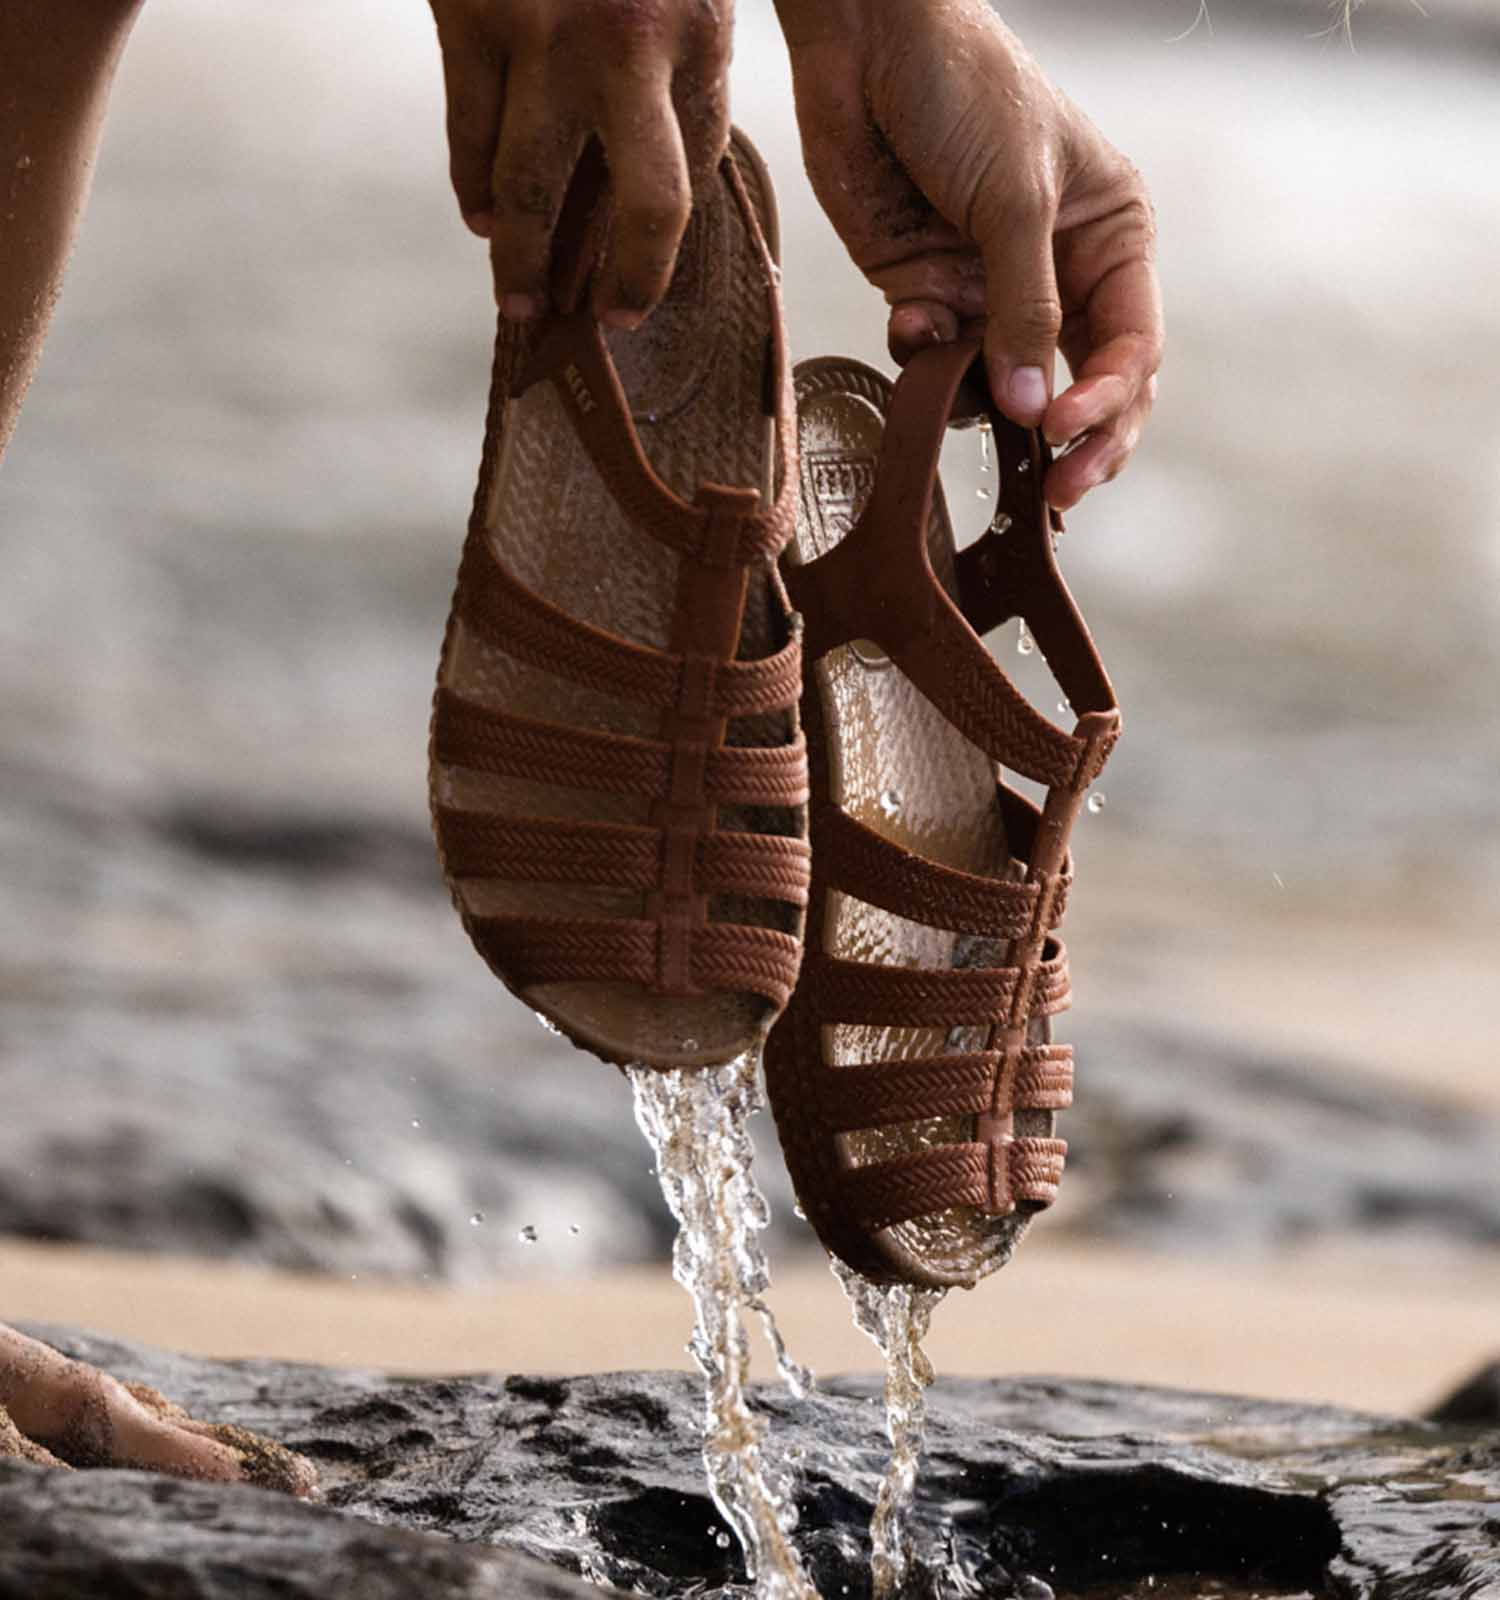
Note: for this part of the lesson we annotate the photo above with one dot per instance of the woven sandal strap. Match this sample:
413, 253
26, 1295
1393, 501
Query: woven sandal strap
612, 855
993, 1178
512, 618
762, 866
469, 735
730, 955
859, 861
1053, 991
534, 950
915, 1185
927, 997
616, 855
883, 1093
1035, 1169
915, 997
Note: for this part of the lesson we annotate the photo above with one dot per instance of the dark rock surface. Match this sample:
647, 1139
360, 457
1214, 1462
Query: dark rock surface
1096, 1488
1476, 1400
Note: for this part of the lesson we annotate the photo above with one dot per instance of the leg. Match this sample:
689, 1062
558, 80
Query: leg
60, 58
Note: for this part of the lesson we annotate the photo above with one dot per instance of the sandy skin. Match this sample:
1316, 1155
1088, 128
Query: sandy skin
56, 1412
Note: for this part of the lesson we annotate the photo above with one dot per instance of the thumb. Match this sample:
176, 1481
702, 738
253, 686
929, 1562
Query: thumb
1024, 311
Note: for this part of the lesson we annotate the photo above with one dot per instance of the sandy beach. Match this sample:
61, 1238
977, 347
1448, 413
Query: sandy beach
1334, 1327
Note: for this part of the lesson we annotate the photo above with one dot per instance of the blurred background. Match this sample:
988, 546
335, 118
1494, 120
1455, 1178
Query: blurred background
259, 1094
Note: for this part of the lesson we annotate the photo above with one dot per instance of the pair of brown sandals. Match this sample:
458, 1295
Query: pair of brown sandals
640, 791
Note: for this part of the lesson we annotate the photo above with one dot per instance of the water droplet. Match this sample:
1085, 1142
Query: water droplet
1023, 466
690, 1044
574, 1229
1030, 1587
528, 1234
723, 1540
982, 492
984, 447
1277, 880
797, 1211
1097, 803
1025, 644
416, 1122
1000, 524
549, 1024
891, 802
476, 1218
1064, 709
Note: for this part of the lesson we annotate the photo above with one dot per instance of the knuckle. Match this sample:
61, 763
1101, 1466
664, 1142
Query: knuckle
523, 196
1038, 316
633, 27
655, 218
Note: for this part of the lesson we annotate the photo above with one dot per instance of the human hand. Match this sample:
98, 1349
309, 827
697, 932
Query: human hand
530, 81
965, 185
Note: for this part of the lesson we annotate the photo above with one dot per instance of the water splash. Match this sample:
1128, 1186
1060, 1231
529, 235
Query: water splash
896, 1318
697, 1123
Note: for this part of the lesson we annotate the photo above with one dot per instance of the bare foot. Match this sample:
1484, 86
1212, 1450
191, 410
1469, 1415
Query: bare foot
58, 1412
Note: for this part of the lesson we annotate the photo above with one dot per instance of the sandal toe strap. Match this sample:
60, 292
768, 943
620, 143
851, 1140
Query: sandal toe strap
882, 1093
992, 1178
538, 950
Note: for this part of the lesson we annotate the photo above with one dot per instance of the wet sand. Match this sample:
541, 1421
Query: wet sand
1335, 1326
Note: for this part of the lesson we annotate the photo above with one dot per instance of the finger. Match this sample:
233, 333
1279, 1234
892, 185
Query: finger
1025, 313
1115, 349
700, 93
915, 324
652, 196
538, 149
474, 82
1097, 458
1092, 403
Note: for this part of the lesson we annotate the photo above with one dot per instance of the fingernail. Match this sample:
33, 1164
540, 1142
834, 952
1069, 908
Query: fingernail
1027, 391
480, 222
627, 321
518, 307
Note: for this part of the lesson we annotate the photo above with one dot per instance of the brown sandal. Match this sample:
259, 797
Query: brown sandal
913, 1076
617, 775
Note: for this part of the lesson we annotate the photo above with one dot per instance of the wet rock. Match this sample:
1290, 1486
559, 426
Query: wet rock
85, 1535
1195, 1142
1091, 1488
1476, 1400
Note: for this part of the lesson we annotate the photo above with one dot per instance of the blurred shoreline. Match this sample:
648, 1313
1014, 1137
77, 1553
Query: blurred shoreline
1326, 1326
